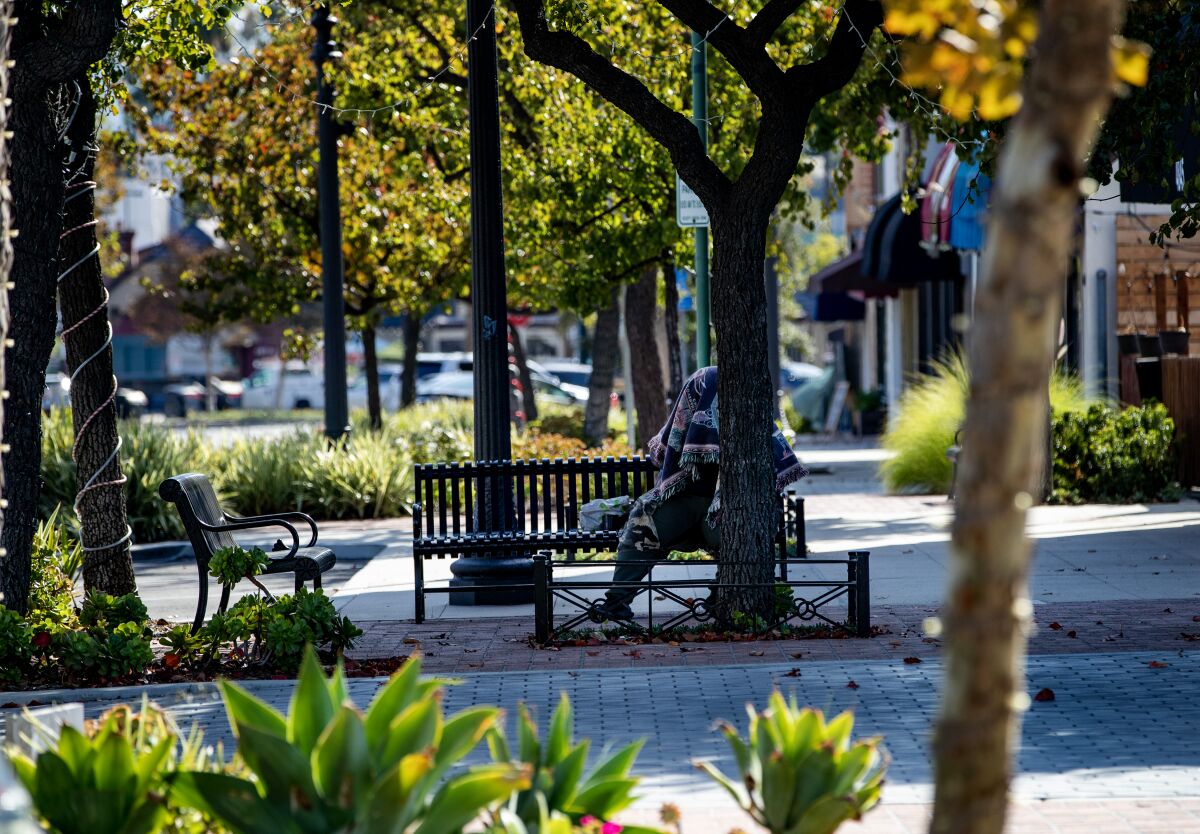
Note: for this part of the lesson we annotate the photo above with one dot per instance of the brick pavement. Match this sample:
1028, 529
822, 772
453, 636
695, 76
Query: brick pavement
502, 644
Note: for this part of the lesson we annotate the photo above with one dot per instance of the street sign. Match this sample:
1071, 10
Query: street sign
689, 211
685, 295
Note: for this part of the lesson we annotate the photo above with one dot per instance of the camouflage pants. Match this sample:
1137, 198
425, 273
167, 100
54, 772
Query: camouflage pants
677, 524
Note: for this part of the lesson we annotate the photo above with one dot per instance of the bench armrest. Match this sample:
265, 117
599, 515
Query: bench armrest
294, 516
253, 524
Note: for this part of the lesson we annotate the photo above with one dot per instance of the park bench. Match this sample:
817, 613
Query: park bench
209, 528
548, 495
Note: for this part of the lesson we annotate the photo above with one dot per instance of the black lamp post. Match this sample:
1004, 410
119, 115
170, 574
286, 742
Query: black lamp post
337, 409
489, 302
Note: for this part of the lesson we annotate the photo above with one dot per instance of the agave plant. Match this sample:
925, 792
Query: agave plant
109, 782
800, 774
559, 787
327, 767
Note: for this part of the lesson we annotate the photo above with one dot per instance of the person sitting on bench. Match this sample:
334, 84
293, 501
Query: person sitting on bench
682, 511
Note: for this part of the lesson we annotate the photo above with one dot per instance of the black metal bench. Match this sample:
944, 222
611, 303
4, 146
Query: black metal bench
209, 528
547, 495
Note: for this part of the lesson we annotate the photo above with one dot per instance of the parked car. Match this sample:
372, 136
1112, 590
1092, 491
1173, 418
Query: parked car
460, 385
298, 387
572, 373
792, 375
131, 403
182, 398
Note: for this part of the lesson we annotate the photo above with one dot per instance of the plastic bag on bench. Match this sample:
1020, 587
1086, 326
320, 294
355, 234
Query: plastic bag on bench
605, 513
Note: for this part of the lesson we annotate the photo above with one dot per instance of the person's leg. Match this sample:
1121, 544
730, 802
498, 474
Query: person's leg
651, 536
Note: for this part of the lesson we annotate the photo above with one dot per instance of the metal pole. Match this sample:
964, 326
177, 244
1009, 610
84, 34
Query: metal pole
700, 117
337, 409
489, 301
771, 278
494, 508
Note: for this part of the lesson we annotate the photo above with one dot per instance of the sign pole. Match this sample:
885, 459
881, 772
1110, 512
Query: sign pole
700, 117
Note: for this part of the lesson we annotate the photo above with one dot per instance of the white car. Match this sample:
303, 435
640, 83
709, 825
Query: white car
301, 388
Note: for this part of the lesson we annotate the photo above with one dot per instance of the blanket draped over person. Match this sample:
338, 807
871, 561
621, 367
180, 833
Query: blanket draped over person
691, 439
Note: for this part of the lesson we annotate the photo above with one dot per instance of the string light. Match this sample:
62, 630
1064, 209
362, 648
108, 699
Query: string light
74, 190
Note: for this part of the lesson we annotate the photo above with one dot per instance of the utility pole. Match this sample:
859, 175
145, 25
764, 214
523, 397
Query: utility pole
494, 506
700, 117
337, 409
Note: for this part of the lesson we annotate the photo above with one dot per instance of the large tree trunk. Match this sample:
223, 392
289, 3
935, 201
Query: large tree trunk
87, 337
987, 609
41, 103
412, 344
37, 190
671, 324
6, 249
649, 394
528, 395
744, 393
371, 369
605, 349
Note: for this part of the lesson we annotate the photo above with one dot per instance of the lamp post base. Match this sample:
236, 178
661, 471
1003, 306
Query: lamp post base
489, 581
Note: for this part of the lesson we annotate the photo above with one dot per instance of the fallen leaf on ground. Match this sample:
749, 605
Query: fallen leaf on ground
852, 685
792, 673
797, 655
1072, 633
1157, 664
593, 654
412, 641
757, 654
1056, 626
1191, 637
1168, 611
1046, 694
1196, 619
912, 660
895, 644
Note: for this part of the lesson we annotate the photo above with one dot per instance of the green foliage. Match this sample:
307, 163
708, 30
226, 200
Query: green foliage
109, 783
327, 767
56, 561
559, 783
274, 632
230, 565
15, 645
102, 611
799, 774
183, 647
94, 763
930, 412
1115, 456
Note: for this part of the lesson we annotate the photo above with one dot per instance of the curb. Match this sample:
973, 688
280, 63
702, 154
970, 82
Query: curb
155, 551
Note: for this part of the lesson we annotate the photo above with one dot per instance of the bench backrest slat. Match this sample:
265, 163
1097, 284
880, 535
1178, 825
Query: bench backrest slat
196, 500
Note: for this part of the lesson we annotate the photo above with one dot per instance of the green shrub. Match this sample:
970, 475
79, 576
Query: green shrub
55, 563
921, 427
230, 565
16, 645
149, 455
273, 632
566, 420
327, 767
104, 611
1108, 455
799, 773
557, 766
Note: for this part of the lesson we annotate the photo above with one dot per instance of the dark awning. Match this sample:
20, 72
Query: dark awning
892, 251
846, 276
831, 306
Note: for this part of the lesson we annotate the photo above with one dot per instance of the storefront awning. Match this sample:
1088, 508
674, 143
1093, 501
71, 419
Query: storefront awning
846, 275
893, 253
831, 306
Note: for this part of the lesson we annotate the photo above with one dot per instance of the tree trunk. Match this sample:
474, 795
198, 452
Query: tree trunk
1030, 235
671, 323
412, 344
528, 395
87, 337
6, 248
37, 192
371, 369
649, 394
744, 393
604, 369
210, 390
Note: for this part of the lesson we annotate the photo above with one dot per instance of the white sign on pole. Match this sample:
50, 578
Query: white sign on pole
689, 211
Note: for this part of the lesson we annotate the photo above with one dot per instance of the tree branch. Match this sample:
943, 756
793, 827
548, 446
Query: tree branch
68, 46
833, 71
761, 74
671, 129
770, 17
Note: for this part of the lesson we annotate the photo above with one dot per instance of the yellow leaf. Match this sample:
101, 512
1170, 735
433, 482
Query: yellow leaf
903, 22
1000, 95
1131, 61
